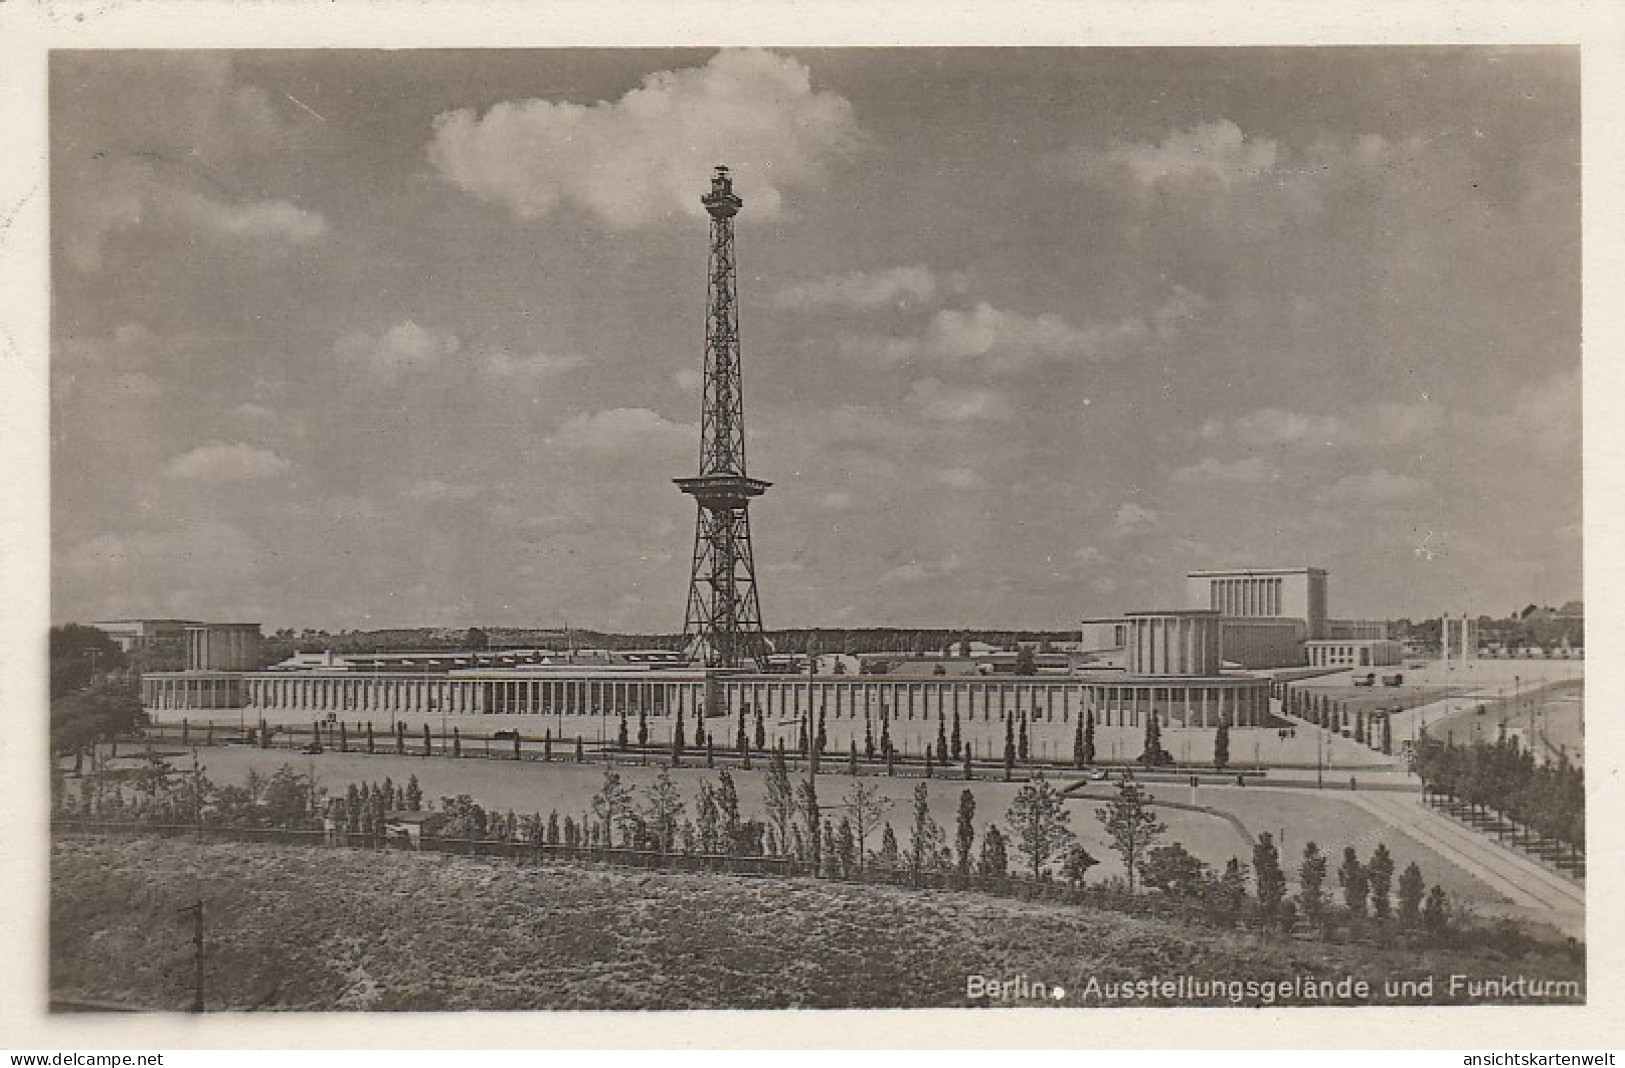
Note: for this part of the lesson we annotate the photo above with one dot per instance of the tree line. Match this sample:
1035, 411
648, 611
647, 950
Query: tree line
1503, 777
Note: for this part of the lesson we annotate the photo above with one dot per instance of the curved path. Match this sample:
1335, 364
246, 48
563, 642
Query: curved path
1517, 878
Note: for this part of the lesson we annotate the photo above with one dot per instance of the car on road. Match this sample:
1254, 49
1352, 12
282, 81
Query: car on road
505, 736
311, 750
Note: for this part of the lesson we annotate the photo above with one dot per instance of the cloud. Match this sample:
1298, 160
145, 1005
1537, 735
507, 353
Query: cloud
1387, 423
621, 430
996, 341
405, 348
945, 403
1132, 518
1377, 487
1215, 151
250, 410
253, 220
647, 155
221, 462
898, 286
916, 571
1250, 469
508, 365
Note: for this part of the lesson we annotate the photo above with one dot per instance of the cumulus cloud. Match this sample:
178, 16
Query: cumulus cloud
939, 401
619, 430
1216, 151
221, 462
992, 340
1378, 487
253, 220
634, 160
1132, 518
1250, 469
405, 348
899, 286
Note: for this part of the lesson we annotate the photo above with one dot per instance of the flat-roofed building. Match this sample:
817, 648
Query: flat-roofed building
1263, 593
136, 634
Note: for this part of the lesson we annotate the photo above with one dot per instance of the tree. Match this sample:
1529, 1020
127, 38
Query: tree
1269, 880
1154, 755
888, 857
1379, 874
612, 804
956, 741
81, 719
1026, 663
1077, 745
995, 860
1089, 737
1312, 883
925, 837
643, 728
456, 742
1133, 827
1040, 823
677, 740
1410, 897
1009, 748
414, 794
846, 850
477, 639
1351, 877
1436, 911
942, 739
965, 839
741, 736
761, 731
729, 828
622, 740
80, 657
428, 740
1023, 751
1221, 744
1075, 867
780, 795
866, 806
807, 802
1173, 870
662, 811
868, 736
707, 817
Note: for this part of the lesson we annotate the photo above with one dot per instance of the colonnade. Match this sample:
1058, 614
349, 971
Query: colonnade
779, 698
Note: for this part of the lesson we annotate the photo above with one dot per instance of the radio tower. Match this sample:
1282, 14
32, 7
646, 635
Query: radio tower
723, 625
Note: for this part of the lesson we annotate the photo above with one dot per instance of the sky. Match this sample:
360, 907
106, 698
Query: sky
372, 339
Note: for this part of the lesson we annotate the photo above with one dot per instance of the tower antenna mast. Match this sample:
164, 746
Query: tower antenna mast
723, 623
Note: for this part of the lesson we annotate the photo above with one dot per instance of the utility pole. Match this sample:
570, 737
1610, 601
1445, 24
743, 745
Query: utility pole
196, 909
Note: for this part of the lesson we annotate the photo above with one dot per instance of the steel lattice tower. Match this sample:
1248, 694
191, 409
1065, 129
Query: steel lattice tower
723, 625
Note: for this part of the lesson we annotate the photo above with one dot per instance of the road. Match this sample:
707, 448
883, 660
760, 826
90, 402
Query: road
1522, 881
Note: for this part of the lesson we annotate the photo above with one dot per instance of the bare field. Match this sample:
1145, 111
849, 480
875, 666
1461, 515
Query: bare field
292, 928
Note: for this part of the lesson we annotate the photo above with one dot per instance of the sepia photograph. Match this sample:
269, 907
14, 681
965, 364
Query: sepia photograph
1155, 583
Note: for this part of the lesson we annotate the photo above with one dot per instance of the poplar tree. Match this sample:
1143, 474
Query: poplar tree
1268, 878
966, 836
1089, 737
1379, 873
1221, 744
1312, 883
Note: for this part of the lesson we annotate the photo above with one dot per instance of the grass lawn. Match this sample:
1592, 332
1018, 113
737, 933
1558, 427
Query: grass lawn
292, 927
